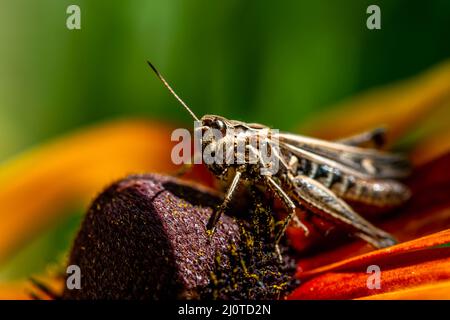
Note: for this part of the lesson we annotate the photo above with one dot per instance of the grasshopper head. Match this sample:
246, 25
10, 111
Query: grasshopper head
215, 122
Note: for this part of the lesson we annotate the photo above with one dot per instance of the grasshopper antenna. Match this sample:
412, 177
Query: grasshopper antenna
172, 91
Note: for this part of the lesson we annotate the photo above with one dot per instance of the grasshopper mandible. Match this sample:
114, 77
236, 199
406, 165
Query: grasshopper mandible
315, 175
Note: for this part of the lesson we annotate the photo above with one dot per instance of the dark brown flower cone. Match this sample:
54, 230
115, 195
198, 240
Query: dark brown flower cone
144, 238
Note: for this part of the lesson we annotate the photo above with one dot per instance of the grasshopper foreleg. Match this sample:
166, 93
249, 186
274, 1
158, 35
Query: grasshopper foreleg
211, 225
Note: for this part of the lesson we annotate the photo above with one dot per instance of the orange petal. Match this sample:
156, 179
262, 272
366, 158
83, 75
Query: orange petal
413, 246
399, 107
431, 147
40, 184
437, 291
407, 265
24, 289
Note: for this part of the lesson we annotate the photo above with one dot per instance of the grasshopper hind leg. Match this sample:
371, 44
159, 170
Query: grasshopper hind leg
322, 201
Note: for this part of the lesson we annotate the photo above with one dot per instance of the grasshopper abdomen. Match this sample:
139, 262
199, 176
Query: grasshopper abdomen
377, 192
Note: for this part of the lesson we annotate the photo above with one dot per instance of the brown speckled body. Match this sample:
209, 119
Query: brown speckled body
316, 175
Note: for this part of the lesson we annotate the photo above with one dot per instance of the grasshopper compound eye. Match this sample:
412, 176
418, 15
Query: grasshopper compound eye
219, 125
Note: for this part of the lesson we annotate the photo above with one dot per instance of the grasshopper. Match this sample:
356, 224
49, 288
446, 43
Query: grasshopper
314, 175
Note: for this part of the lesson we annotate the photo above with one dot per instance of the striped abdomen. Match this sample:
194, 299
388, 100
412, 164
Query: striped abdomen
381, 193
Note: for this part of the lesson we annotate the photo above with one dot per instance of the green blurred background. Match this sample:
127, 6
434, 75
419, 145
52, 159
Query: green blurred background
274, 62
